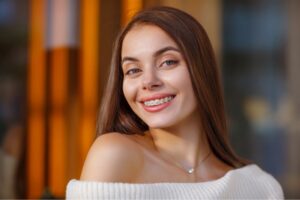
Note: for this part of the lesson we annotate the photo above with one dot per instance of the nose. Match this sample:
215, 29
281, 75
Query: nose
151, 81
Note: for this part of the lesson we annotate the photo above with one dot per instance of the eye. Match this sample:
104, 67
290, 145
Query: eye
133, 71
169, 63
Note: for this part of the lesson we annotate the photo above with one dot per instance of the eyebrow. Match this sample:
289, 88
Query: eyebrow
156, 54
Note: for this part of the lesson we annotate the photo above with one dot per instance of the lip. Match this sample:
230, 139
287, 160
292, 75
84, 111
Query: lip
157, 108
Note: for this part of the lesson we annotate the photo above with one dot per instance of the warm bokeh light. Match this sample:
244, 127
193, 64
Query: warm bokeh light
59, 65
36, 100
89, 73
129, 8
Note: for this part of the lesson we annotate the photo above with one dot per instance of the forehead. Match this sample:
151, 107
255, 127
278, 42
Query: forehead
146, 38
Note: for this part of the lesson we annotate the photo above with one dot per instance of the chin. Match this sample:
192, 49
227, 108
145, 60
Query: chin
159, 124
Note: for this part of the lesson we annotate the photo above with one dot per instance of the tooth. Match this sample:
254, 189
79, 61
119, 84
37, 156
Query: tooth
158, 101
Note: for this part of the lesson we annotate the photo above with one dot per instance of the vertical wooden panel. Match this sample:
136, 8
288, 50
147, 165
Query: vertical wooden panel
110, 23
36, 101
89, 72
73, 118
129, 8
59, 58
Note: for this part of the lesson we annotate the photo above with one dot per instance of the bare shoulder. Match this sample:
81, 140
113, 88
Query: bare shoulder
113, 157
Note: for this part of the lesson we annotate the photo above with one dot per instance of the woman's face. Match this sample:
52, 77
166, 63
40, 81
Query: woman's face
157, 83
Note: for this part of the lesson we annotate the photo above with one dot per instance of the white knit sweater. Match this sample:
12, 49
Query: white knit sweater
248, 182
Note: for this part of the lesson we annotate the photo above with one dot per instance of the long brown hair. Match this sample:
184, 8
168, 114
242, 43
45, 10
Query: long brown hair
115, 113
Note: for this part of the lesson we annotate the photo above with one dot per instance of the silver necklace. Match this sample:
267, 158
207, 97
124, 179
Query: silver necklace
191, 170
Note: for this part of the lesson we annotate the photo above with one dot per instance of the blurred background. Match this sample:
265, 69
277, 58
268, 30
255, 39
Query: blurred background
54, 56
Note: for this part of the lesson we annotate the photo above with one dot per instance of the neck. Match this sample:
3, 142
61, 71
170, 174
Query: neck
184, 144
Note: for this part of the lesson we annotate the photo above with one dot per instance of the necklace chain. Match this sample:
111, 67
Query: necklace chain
191, 170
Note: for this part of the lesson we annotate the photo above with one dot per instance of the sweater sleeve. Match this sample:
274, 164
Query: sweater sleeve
268, 183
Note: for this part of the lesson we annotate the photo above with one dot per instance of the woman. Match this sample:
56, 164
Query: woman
162, 127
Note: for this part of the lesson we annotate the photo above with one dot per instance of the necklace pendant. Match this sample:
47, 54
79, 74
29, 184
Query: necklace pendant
190, 171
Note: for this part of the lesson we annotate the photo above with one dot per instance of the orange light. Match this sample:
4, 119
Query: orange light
35, 156
89, 72
129, 8
36, 101
59, 58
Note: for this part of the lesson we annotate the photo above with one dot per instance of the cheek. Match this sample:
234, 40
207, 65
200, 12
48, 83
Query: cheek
129, 90
188, 86
180, 79
187, 82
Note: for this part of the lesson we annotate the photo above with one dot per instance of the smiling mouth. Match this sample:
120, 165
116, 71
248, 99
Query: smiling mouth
156, 102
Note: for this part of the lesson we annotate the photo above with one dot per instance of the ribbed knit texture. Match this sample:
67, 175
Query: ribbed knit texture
249, 182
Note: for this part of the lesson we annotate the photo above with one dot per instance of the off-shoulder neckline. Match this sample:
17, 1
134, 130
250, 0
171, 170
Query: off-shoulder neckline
229, 173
